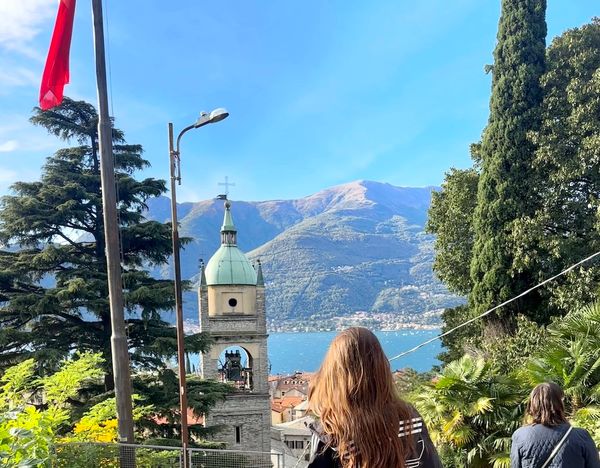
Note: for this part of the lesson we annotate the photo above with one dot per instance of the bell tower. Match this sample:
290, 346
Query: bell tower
232, 312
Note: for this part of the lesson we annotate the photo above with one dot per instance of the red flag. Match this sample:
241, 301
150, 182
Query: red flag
56, 71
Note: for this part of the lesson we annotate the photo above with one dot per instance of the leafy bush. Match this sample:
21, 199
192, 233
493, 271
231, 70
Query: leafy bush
471, 411
82, 455
26, 432
85, 455
571, 358
99, 423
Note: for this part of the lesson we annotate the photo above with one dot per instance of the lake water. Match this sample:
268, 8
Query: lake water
289, 352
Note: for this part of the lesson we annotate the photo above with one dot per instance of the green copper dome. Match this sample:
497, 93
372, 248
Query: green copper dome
229, 265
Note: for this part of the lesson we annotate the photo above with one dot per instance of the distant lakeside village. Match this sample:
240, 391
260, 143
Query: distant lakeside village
375, 321
430, 320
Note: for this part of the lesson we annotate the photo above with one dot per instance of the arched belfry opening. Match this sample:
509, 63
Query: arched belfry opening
232, 313
236, 368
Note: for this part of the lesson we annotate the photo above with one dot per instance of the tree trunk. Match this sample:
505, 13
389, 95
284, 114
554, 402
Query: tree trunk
109, 382
109, 378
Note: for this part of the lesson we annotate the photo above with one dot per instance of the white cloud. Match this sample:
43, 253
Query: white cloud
7, 175
23, 149
16, 130
9, 146
21, 22
17, 76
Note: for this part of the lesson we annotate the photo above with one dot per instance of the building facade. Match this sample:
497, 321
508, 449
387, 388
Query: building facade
293, 438
232, 312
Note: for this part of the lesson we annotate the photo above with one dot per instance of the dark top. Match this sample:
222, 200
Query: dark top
532, 445
424, 453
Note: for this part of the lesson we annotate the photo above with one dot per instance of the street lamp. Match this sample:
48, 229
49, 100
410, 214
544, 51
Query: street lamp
204, 119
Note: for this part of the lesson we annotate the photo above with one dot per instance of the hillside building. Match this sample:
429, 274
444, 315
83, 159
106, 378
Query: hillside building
232, 312
292, 439
284, 409
295, 385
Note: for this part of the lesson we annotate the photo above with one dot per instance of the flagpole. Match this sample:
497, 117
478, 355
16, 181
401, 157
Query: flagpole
120, 353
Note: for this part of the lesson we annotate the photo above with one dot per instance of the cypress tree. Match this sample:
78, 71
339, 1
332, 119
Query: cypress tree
504, 192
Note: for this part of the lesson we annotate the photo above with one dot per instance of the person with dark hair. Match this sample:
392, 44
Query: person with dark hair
362, 422
548, 440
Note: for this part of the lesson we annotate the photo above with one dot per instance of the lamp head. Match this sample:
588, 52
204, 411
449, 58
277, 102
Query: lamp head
215, 116
202, 120
218, 114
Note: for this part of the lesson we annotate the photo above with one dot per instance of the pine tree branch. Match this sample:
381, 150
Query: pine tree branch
73, 244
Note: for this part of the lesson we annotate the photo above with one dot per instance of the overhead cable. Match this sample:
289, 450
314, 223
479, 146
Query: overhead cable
487, 312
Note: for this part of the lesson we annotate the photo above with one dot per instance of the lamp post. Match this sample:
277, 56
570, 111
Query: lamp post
175, 167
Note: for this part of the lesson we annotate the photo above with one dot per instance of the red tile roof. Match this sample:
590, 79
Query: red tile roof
192, 418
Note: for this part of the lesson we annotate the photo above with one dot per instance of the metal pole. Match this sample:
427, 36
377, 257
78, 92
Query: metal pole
183, 406
118, 340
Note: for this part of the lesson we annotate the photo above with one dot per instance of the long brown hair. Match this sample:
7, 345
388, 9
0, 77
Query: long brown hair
354, 396
546, 405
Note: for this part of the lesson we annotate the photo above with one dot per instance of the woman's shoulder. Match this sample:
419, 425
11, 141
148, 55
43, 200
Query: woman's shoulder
523, 431
533, 431
410, 413
582, 434
412, 424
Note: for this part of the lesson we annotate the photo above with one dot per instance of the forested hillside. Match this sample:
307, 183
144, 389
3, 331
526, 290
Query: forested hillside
356, 247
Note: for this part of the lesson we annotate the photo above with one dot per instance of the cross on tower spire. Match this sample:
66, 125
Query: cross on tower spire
227, 184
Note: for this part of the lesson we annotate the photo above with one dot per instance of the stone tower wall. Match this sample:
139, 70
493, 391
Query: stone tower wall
203, 306
261, 309
250, 411
245, 297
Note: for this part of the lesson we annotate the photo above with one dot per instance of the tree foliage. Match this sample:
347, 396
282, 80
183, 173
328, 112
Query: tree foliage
27, 432
477, 401
536, 214
161, 389
564, 228
571, 358
514, 351
471, 411
450, 218
561, 223
53, 276
461, 341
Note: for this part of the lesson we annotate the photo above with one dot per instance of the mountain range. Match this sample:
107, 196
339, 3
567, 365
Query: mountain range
353, 250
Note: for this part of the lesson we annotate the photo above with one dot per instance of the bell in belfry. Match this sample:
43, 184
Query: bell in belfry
233, 366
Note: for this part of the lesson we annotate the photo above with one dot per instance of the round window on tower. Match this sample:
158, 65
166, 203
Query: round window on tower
232, 302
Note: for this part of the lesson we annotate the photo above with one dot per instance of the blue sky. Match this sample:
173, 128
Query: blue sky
320, 92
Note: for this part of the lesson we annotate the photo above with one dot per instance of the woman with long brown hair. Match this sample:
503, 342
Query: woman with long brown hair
362, 422
548, 440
